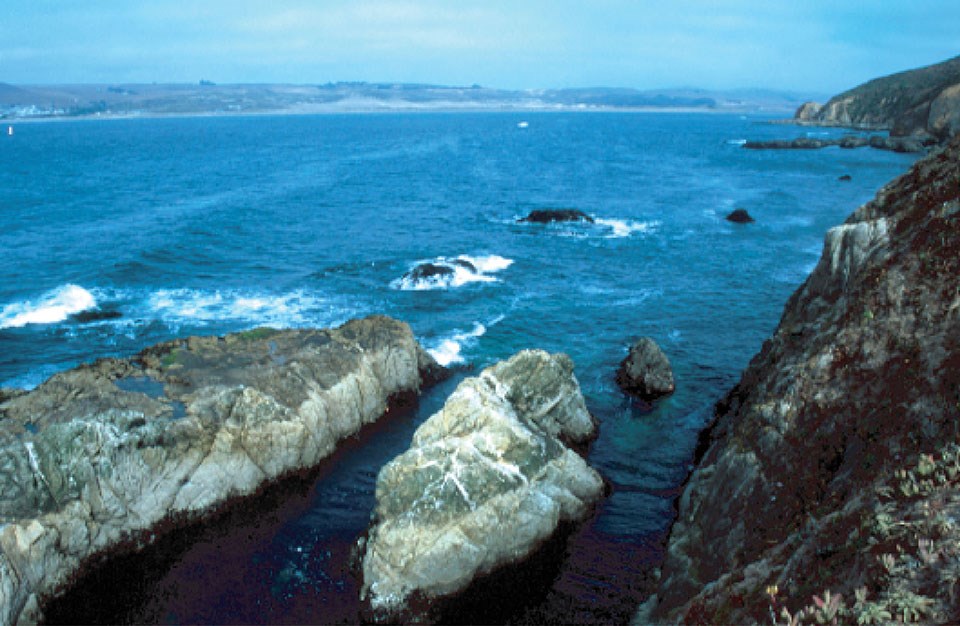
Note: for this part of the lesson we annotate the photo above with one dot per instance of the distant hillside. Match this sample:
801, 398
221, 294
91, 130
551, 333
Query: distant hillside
206, 98
921, 101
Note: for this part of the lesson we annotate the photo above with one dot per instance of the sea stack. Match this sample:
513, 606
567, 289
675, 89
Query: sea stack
646, 372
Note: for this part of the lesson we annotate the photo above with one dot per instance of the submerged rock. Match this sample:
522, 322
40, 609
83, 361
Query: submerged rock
95, 315
485, 482
740, 216
546, 216
100, 454
646, 371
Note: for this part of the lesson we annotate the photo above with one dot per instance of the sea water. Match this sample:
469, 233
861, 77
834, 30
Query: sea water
117, 234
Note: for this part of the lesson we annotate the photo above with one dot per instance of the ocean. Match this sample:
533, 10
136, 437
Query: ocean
117, 234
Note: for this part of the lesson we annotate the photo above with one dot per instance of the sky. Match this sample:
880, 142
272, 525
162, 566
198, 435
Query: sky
805, 46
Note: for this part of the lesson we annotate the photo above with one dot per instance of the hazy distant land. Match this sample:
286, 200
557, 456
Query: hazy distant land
207, 98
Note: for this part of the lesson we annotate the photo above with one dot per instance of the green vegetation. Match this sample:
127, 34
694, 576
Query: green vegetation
257, 334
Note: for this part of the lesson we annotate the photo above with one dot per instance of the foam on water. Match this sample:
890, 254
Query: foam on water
455, 272
447, 351
625, 228
54, 306
189, 306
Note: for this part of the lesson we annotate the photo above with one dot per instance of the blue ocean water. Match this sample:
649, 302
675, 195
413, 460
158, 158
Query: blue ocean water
209, 225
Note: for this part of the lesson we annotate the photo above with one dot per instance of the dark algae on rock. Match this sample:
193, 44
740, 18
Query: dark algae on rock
828, 486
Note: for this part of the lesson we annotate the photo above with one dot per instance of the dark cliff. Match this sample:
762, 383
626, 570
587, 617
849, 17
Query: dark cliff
920, 101
833, 467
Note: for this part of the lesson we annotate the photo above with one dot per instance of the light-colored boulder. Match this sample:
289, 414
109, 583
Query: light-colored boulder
485, 482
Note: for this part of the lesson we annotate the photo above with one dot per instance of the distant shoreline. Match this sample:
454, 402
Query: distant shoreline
412, 110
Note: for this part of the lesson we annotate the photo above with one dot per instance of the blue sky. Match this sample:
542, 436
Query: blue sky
802, 45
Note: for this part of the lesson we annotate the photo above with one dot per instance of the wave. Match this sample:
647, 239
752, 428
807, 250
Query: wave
445, 273
53, 306
447, 351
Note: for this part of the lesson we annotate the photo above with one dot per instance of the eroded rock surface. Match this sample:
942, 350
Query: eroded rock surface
102, 453
485, 482
833, 466
646, 371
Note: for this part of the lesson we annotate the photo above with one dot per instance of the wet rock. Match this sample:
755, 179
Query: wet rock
428, 271
95, 315
646, 371
485, 482
739, 216
546, 216
99, 454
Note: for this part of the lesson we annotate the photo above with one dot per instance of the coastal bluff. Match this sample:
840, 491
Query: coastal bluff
923, 102
100, 457
828, 485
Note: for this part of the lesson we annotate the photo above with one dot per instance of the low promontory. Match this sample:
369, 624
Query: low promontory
102, 455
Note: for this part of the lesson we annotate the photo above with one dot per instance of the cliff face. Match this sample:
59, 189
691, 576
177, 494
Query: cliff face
833, 466
99, 455
924, 101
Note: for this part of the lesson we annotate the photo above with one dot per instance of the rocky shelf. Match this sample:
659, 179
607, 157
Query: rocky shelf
98, 457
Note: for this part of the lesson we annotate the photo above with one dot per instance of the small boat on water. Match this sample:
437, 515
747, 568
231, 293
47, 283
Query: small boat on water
523, 125
9, 131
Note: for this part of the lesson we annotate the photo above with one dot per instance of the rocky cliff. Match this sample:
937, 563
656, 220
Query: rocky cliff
828, 486
486, 481
924, 101
100, 456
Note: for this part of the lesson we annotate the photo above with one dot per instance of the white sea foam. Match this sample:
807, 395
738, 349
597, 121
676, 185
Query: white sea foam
736, 142
52, 307
625, 228
189, 306
452, 273
447, 350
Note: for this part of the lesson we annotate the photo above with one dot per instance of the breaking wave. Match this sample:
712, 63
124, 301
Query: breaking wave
54, 306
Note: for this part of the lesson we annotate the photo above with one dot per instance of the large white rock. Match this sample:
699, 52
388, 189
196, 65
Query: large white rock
485, 482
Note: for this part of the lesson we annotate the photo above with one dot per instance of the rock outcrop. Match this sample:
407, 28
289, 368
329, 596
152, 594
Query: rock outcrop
101, 455
880, 142
646, 371
832, 468
485, 482
546, 216
740, 216
923, 101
